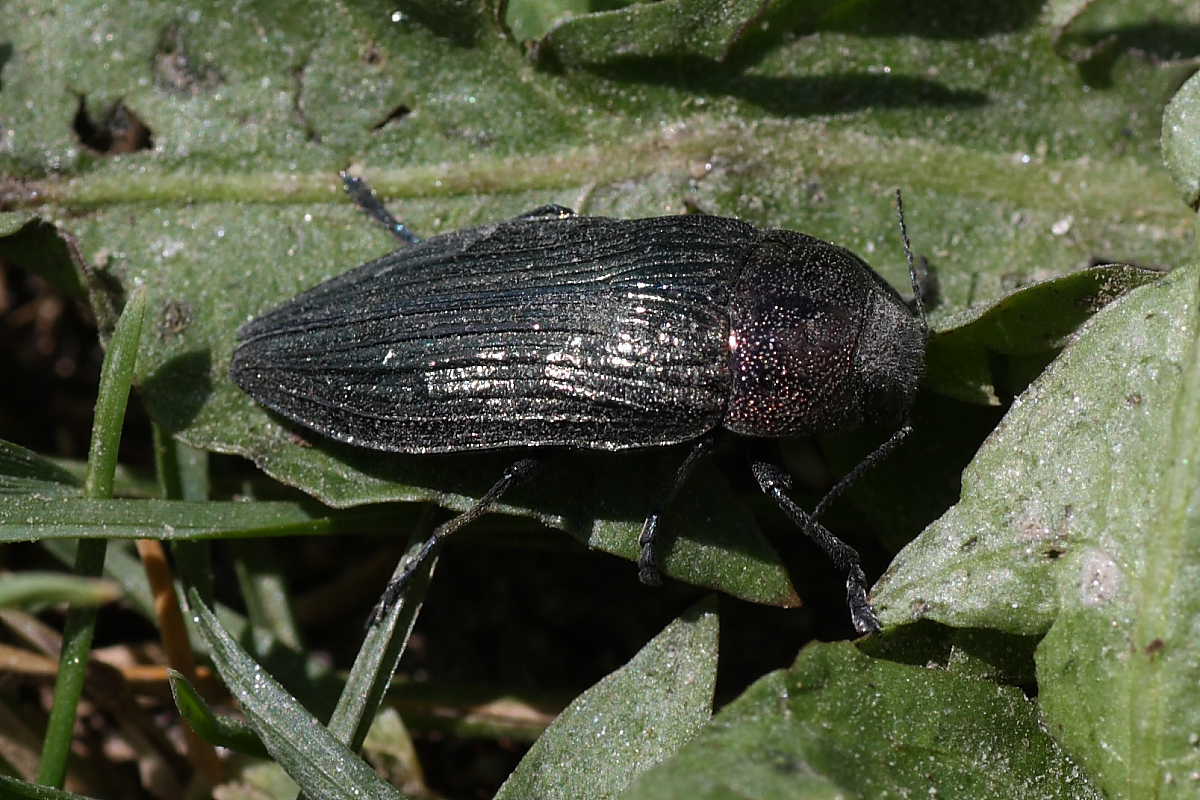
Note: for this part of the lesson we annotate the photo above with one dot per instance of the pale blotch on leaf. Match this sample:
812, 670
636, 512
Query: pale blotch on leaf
1099, 578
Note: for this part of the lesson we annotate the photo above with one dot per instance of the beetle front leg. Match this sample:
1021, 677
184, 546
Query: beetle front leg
647, 561
775, 483
516, 473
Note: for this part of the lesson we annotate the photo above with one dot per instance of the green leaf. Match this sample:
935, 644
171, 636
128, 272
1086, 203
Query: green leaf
838, 723
108, 422
1032, 321
1181, 139
116, 379
33, 517
379, 654
1079, 519
311, 755
631, 720
978, 653
23, 471
391, 750
1025, 135
1072, 467
215, 729
1017, 166
121, 564
530, 19
20, 790
642, 32
31, 588
42, 248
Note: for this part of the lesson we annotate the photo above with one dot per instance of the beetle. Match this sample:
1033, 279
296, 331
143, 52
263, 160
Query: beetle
554, 329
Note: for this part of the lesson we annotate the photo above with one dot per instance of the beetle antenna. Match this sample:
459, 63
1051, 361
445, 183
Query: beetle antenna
881, 452
918, 300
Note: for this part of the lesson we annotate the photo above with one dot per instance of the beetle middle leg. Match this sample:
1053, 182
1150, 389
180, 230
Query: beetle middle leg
647, 561
364, 196
775, 483
514, 474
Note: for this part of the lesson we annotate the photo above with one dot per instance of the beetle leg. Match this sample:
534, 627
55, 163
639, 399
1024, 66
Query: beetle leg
364, 196
647, 563
775, 483
516, 473
548, 211
873, 458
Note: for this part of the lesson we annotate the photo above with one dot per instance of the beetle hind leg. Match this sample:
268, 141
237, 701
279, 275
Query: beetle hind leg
516, 473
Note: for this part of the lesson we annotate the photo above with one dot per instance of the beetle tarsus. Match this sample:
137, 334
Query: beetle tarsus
862, 616
647, 563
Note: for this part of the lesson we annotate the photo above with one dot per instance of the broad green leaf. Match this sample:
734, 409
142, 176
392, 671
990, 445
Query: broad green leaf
979, 653
1019, 165
13, 221
673, 29
321, 765
631, 720
1031, 322
840, 724
1071, 470
1079, 519
40, 247
1181, 139
530, 19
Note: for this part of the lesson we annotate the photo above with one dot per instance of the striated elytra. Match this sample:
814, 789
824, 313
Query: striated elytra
559, 330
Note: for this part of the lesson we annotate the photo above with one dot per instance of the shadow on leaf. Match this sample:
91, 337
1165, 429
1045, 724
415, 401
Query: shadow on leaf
792, 95
187, 380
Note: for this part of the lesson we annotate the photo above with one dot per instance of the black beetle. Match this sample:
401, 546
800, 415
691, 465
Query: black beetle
558, 330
